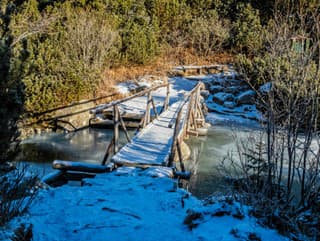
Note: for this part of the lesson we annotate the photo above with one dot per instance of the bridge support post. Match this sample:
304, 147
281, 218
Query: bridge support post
166, 102
116, 128
147, 114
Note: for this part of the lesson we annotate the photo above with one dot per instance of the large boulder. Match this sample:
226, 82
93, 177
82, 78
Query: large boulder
230, 104
247, 97
222, 97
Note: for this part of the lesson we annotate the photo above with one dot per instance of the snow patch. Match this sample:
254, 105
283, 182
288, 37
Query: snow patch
134, 207
265, 88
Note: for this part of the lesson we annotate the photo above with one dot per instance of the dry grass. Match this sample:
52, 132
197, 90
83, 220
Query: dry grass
161, 66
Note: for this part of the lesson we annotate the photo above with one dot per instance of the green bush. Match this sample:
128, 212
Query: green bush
208, 34
172, 17
139, 42
61, 62
247, 31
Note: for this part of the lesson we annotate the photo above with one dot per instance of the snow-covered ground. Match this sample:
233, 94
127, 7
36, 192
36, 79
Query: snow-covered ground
136, 204
230, 100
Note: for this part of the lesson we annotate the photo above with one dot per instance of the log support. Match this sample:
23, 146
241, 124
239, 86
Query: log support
116, 123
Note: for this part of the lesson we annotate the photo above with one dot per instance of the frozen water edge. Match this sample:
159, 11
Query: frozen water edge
131, 204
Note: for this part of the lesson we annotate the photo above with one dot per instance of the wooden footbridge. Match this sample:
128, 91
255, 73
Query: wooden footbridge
161, 131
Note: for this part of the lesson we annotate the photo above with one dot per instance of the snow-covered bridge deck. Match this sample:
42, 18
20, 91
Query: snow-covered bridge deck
159, 141
155, 143
152, 146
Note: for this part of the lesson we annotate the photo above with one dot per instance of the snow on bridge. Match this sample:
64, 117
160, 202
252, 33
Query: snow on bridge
155, 145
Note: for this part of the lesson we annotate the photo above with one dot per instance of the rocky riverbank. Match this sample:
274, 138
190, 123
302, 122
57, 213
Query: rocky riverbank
229, 99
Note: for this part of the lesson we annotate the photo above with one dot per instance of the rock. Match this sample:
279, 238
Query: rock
233, 90
247, 97
217, 81
202, 131
230, 104
254, 237
192, 219
222, 97
205, 93
215, 89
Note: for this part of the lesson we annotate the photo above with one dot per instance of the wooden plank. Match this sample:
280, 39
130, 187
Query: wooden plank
192, 133
194, 67
151, 146
167, 99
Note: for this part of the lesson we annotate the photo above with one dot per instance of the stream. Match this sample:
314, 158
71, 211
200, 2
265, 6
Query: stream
89, 145
232, 114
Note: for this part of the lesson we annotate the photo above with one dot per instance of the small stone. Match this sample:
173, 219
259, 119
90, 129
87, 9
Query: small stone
253, 237
205, 93
192, 218
222, 97
215, 89
220, 213
238, 213
232, 90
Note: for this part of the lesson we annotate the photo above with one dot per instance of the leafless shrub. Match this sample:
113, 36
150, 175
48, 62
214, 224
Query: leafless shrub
17, 191
208, 34
279, 171
89, 39
23, 233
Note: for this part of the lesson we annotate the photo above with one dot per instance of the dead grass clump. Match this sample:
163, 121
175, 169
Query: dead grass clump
161, 66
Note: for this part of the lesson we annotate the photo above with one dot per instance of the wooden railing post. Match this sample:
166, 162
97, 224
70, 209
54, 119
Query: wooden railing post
123, 125
107, 154
175, 136
154, 108
116, 128
189, 112
147, 114
180, 156
166, 101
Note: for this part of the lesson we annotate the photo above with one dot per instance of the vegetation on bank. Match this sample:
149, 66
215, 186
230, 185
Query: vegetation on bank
280, 170
54, 52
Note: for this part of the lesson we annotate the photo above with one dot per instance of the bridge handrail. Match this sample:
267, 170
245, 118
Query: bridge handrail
101, 108
72, 105
179, 126
117, 119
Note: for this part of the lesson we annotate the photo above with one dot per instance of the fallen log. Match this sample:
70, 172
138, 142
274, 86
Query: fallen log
79, 167
182, 175
53, 177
